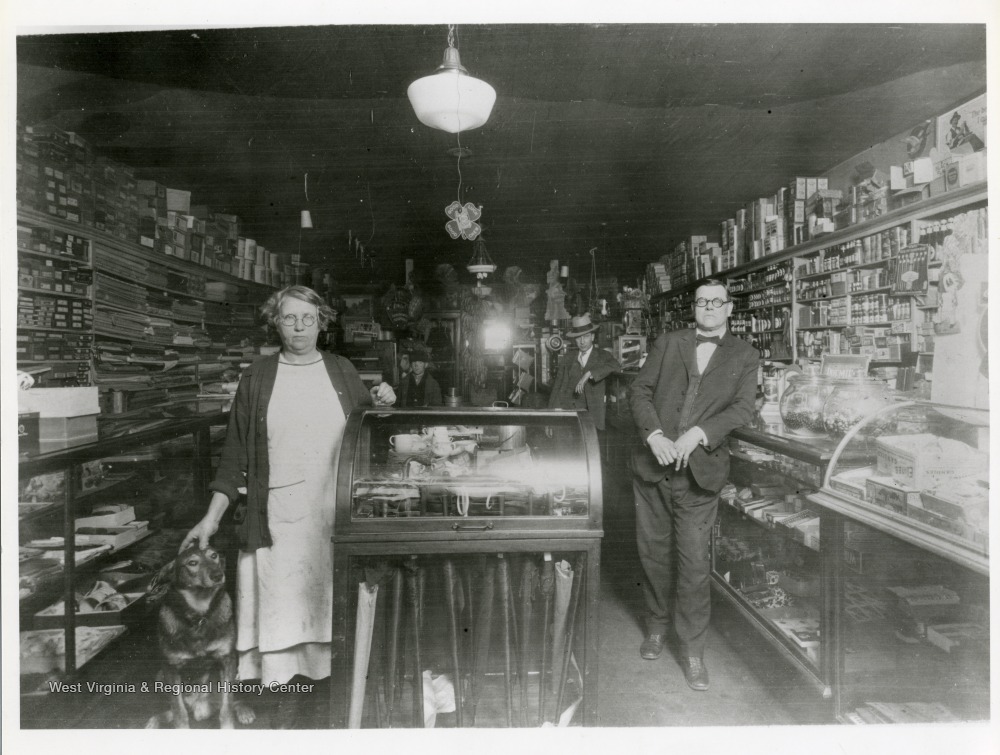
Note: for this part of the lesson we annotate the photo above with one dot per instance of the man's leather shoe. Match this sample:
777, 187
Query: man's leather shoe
696, 674
651, 647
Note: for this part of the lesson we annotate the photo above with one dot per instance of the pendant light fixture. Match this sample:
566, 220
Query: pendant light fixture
480, 265
305, 216
450, 99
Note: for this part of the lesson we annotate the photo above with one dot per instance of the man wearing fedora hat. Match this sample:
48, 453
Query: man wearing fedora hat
580, 381
419, 388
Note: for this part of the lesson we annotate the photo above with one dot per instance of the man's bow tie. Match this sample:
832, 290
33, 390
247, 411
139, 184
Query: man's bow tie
717, 340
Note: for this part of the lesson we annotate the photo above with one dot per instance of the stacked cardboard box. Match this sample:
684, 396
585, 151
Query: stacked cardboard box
58, 174
116, 200
800, 189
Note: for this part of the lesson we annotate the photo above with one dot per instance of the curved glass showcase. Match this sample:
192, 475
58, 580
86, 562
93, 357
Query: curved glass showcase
908, 492
441, 515
920, 471
461, 470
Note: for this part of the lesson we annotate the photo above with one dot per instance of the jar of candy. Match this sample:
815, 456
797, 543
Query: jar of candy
853, 399
802, 403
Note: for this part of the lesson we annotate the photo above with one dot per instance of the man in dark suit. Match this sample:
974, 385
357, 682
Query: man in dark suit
695, 387
419, 388
580, 381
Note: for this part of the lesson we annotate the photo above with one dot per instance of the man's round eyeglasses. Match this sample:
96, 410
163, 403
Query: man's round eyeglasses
290, 320
702, 302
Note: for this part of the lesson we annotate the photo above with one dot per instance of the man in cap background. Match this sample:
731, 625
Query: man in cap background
419, 388
580, 380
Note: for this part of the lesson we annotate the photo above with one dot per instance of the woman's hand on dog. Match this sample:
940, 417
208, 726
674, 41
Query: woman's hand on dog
202, 532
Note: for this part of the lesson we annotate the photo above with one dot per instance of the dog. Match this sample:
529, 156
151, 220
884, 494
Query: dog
197, 636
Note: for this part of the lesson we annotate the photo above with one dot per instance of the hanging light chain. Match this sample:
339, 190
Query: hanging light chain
451, 35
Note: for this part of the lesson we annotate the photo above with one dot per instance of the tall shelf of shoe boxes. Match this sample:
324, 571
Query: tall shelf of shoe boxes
814, 271
124, 285
125, 288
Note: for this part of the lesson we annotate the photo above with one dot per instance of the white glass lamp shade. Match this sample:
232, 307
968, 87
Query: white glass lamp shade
450, 99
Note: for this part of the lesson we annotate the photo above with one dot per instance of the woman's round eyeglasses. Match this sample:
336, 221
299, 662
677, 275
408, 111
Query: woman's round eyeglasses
290, 320
702, 302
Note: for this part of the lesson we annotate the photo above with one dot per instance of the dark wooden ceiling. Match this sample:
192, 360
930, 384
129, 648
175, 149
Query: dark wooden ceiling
625, 136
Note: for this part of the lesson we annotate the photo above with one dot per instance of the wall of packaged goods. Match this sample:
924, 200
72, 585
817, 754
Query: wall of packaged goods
865, 268
124, 285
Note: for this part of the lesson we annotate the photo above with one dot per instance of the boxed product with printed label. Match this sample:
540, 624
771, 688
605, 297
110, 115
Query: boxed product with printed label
889, 494
924, 460
59, 402
59, 429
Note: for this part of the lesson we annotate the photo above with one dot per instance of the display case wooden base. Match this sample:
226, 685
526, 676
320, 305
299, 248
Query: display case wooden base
466, 560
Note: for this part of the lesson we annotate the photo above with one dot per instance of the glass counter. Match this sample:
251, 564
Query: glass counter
906, 497
920, 471
468, 471
454, 529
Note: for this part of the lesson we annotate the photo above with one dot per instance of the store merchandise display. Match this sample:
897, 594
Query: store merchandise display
488, 519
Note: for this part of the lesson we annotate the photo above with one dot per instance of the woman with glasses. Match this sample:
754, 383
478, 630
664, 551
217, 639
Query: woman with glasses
285, 431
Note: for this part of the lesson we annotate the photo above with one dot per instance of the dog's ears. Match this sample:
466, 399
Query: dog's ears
161, 583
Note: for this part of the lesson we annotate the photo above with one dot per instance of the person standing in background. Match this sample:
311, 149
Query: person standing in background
419, 388
580, 380
696, 386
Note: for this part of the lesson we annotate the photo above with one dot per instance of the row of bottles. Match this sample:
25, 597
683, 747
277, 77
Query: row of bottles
780, 273
934, 235
781, 294
867, 280
821, 288
770, 345
867, 249
869, 308
759, 321
824, 314
901, 309
813, 344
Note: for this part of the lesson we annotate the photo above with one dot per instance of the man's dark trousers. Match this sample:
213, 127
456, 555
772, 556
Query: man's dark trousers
674, 519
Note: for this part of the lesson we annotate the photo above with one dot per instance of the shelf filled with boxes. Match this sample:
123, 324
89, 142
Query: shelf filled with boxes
673, 310
123, 283
146, 328
871, 276
96, 521
848, 284
54, 305
768, 553
907, 495
762, 309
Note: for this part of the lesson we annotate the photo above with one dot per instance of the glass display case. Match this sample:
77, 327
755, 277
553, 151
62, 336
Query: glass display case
468, 473
907, 495
768, 560
456, 532
920, 470
96, 519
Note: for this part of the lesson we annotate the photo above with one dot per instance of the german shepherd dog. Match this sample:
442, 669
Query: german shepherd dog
197, 635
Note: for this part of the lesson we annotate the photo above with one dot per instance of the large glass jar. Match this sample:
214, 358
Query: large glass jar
853, 399
802, 403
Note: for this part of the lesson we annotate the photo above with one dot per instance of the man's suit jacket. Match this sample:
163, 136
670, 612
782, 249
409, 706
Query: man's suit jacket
600, 364
725, 401
432, 391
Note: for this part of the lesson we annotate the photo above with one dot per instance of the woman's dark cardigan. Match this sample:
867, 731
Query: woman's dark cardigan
244, 456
